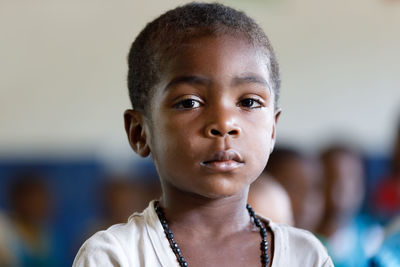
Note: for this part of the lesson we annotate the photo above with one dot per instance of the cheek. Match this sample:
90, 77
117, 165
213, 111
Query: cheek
172, 144
257, 156
259, 134
259, 143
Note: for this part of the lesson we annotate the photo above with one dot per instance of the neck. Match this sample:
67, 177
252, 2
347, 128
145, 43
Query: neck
199, 214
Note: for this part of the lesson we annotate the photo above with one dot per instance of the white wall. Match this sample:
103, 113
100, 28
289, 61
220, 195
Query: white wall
63, 68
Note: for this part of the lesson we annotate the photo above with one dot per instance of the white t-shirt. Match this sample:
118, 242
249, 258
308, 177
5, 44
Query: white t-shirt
142, 242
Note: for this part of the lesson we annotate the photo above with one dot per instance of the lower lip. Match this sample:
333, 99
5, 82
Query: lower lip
222, 166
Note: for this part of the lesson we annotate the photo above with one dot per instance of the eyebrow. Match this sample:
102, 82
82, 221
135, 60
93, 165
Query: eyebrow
189, 79
251, 79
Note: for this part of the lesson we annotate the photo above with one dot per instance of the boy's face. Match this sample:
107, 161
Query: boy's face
212, 122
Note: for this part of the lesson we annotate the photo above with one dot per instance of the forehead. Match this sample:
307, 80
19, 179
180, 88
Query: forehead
217, 57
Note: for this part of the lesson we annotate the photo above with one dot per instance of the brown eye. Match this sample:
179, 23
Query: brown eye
187, 104
247, 103
250, 103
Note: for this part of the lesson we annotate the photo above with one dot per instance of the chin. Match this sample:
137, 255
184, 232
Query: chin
224, 190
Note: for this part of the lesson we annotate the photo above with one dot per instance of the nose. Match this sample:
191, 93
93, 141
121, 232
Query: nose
224, 124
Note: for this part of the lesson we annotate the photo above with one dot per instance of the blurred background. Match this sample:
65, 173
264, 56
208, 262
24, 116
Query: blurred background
66, 169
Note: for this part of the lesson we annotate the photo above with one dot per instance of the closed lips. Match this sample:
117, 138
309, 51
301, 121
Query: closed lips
223, 156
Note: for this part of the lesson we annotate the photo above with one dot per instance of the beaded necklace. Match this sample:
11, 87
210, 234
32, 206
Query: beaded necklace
178, 253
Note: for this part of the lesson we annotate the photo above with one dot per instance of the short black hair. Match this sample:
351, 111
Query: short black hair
162, 37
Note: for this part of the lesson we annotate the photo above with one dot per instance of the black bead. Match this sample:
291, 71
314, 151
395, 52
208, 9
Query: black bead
264, 235
178, 253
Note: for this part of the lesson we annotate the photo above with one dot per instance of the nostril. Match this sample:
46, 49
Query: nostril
233, 132
215, 132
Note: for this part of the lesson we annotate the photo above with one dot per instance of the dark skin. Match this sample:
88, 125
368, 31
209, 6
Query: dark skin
210, 130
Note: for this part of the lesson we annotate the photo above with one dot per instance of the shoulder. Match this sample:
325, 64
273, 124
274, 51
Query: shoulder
299, 247
295, 236
102, 249
114, 246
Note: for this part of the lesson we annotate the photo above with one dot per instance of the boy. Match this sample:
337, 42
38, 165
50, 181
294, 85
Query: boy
203, 82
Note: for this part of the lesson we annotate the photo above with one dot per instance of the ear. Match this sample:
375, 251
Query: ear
135, 130
277, 114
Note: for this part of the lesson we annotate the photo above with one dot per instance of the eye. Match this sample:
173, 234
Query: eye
188, 103
250, 103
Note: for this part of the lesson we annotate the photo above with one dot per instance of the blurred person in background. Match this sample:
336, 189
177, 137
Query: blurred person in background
269, 199
121, 196
300, 176
351, 238
386, 199
124, 195
6, 257
30, 239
